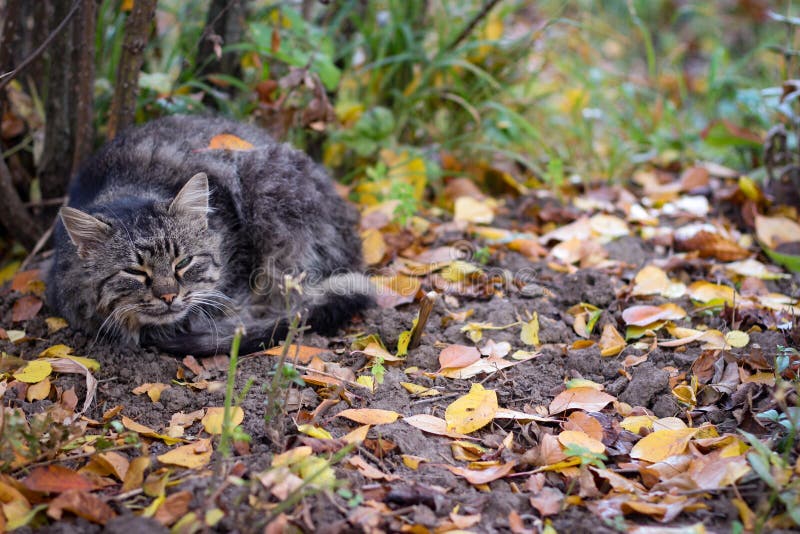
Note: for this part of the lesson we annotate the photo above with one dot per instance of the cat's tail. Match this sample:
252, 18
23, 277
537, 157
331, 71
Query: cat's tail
326, 307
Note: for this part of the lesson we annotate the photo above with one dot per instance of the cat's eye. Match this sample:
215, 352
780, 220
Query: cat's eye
136, 272
183, 263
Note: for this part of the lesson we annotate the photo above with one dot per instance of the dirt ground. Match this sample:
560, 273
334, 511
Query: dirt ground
426, 495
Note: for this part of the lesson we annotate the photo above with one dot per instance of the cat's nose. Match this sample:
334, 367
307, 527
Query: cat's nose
168, 297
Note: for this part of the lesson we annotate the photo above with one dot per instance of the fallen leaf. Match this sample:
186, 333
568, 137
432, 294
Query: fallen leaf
644, 315
580, 439
34, 371
56, 479
191, 456
26, 308
468, 209
369, 416
483, 476
83, 504
472, 411
662, 444
530, 331
458, 356
611, 341
433, 425
581, 398
213, 419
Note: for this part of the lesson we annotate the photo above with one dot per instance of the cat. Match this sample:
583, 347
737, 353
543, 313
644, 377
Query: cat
169, 242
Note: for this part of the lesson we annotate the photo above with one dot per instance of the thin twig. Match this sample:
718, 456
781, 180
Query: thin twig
43, 239
471, 25
6, 78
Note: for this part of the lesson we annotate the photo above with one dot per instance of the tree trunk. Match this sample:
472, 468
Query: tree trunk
84, 83
224, 25
59, 138
137, 30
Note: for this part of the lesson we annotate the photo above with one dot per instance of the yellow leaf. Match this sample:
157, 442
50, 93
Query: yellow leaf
56, 351
357, 436
530, 331
153, 390
368, 381
314, 431
611, 342
468, 209
212, 420
412, 462
474, 410
662, 444
369, 416
228, 142
709, 293
373, 245
54, 324
35, 371
38, 391
635, 423
191, 456
459, 270
422, 391
89, 363
737, 338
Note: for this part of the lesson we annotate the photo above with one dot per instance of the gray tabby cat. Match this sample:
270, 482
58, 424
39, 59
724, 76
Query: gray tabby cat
166, 242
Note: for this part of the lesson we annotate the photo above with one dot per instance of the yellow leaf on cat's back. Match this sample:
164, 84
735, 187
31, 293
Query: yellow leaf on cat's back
229, 142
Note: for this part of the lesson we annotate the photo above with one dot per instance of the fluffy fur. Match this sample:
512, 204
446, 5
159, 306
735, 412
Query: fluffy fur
168, 243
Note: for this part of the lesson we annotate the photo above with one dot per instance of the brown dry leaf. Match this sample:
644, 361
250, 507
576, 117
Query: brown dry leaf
358, 435
458, 356
213, 419
191, 456
229, 142
173, 508
483, 476
611, 342
26, 308
472, 411
433, 425
651, 280
369, 416
644, 315
775, 231
548, 501
56, 479
83, 504
108, 463
711, 244
54, 324
581, 398
395, 290
186, 419
662, 444
369, 471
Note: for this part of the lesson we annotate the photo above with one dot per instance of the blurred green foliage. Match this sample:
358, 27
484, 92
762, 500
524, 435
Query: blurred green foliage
390, 92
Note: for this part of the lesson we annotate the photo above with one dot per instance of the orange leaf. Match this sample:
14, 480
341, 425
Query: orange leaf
229, 142
56, 479
458, 356
82, 504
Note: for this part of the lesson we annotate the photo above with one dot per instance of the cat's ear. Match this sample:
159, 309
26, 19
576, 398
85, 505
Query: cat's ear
192, 199
85, 231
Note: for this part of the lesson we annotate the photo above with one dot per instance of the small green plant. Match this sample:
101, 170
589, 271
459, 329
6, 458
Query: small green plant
230, 432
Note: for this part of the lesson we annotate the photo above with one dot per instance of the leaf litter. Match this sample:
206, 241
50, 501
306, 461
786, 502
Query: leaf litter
600, 383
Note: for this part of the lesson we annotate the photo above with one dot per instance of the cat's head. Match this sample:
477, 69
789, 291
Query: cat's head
149, 263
